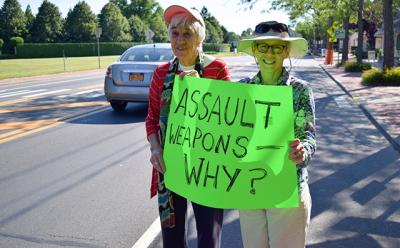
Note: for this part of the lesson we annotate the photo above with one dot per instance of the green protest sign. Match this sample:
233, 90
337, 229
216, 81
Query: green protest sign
227, 144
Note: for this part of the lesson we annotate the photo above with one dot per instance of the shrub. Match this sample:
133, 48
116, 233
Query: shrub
392, 76
351, 66
1, 43
372, 77
16, 41
377, 77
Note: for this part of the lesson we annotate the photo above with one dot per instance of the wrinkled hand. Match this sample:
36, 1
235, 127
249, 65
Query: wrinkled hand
297, 152
156, 159
192, 73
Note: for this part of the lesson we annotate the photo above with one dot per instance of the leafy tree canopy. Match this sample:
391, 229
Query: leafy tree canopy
138, 29
80, 23
12, 20
48, 24
114, 24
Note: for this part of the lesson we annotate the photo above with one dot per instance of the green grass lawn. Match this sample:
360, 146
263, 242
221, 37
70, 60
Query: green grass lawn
13, 68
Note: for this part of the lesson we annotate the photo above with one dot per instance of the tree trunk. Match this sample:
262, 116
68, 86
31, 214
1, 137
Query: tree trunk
345, 50
388, 42
360, 31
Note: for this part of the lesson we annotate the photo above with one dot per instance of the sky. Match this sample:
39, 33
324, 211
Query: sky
229, 13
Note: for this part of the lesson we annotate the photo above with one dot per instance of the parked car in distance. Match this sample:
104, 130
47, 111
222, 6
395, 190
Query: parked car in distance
128, 79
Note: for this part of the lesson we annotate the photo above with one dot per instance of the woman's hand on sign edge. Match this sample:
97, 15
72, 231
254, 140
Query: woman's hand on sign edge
192, 73
297, 152
156, 159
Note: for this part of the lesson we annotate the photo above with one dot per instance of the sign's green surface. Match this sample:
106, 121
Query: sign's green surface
227, 144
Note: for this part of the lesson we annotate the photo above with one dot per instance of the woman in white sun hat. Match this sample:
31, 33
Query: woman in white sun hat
286, 227
186, 30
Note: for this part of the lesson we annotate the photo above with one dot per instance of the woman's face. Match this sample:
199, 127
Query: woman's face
184, 43
270, 54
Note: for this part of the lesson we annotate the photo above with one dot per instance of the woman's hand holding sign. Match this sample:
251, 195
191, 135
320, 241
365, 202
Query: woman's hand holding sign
297, 152
192, 73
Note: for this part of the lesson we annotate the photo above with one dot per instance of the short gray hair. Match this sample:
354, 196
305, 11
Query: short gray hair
183, 20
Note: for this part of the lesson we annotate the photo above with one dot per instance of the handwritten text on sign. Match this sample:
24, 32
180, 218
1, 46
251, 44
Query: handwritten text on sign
226, 144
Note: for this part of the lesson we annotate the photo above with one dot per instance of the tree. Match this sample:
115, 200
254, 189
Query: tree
48, 24
123, 6
144, 9
12, 20
231, 37
80, 23
1, 45
246, 33
321, 15
360, 31
157, 25
388, 43
15, 41
138, 29
214, 33
29, 19
115, 25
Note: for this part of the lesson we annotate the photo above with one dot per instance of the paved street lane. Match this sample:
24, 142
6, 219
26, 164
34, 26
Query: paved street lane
30, 106
81, 184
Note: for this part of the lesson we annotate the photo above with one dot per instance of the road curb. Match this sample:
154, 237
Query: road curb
364, 109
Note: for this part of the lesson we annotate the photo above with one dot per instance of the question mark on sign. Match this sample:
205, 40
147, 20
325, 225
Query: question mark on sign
264, 172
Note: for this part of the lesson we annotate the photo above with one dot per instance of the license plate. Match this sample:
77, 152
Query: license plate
136, 76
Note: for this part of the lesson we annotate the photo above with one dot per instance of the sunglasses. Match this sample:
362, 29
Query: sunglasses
276, 49
264, 27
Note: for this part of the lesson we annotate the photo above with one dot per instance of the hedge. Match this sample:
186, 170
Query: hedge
215, 47
51, 50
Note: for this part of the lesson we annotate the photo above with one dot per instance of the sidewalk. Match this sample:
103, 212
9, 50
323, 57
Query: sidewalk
380, 104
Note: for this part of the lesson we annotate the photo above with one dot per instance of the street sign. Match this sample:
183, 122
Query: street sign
149, 35
98, 32
371, 55
339, 34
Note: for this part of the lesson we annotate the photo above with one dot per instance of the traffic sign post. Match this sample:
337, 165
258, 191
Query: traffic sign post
338, 35
98, 34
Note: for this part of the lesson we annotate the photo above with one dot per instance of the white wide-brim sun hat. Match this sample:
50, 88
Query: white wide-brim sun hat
298, 46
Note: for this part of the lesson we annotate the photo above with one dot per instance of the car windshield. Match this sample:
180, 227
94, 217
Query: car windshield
148, 54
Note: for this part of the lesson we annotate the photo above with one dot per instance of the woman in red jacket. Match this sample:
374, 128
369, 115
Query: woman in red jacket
186, 30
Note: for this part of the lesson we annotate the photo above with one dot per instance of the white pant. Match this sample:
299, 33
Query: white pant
277, 227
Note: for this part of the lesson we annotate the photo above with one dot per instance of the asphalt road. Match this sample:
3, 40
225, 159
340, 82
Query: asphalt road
83, 181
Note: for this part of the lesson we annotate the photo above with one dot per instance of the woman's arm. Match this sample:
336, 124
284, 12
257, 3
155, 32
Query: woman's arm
305, 132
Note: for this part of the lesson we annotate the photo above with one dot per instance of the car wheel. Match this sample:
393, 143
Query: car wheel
118, 106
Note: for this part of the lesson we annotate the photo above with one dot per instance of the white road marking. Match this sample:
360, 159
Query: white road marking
86, 91
21, 93
96, 95
47, 93
52, 83
14, 93
83, 92
149, 236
